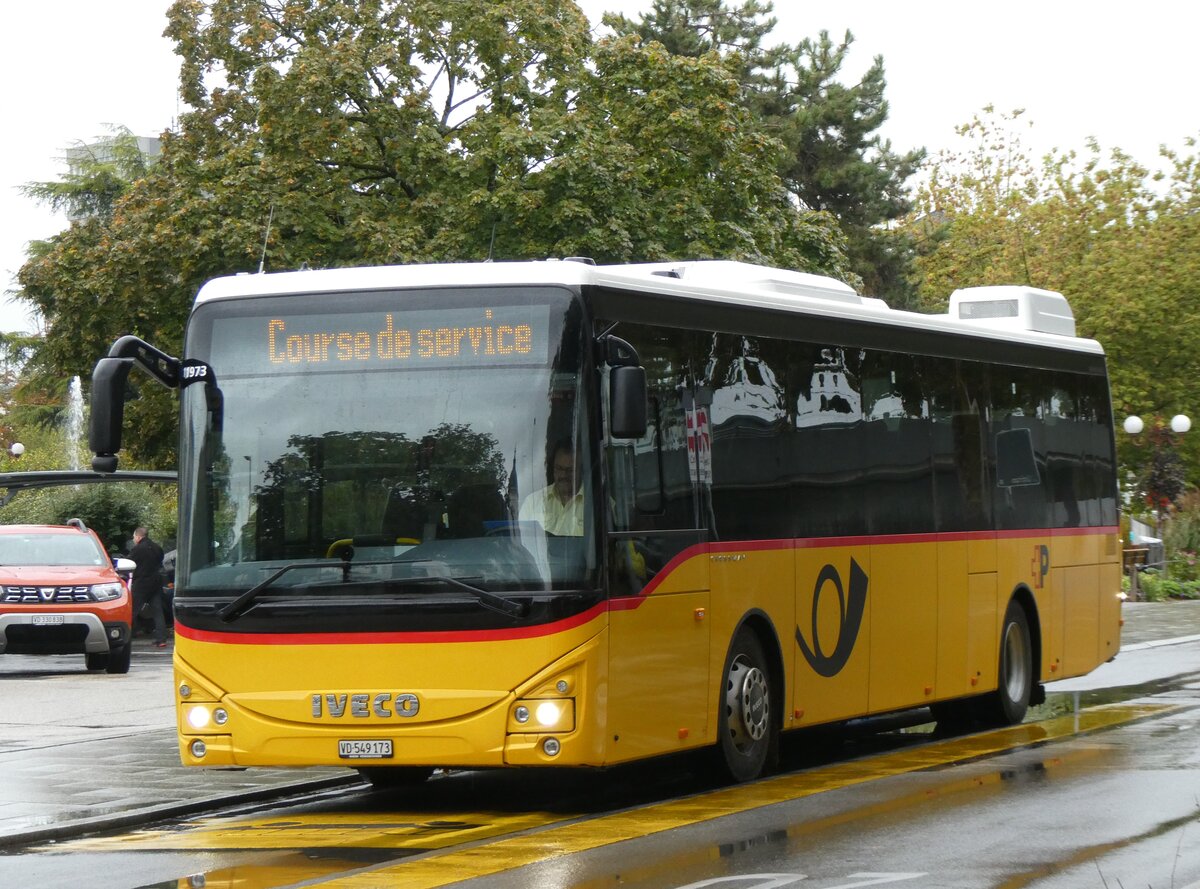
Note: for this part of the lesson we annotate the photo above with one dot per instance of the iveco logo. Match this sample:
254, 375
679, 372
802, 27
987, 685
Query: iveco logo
363, 706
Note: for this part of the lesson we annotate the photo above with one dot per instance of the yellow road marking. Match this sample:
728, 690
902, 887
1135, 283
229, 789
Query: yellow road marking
352, 830
556, 842
421, 833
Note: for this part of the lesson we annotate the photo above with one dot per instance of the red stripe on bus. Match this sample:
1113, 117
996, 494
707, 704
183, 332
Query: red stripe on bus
628, 603
624, 603
493, 635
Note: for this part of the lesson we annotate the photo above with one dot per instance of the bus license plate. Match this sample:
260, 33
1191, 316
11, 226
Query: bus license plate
48, 620
378, 749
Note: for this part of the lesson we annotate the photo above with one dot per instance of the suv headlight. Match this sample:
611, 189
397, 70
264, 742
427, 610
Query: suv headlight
105, 592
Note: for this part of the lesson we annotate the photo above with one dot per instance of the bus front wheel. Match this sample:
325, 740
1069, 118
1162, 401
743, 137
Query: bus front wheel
746, 722
1008, 704
395, 777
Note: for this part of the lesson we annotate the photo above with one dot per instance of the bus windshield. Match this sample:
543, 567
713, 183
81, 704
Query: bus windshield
391, 442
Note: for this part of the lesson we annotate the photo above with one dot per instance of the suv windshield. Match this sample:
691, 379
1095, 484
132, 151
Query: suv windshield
51, 550
371, 439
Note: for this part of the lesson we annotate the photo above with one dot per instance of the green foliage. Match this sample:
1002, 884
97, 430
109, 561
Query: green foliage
352, 133
1121, 243
112, 510
100, 174
833, 158
1156, 587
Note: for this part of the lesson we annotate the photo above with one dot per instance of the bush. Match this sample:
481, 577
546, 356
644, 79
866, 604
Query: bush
1157, 587
111, 510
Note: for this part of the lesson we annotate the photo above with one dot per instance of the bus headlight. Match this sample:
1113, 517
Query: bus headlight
198, 717
548, 713
554, 715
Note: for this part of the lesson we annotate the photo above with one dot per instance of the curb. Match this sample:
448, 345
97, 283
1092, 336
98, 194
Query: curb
143, 816
1161, 643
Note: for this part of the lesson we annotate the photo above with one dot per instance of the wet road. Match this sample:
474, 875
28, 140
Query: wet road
1105, 797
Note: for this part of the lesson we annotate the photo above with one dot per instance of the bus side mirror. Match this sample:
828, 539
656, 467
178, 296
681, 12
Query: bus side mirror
108, 411
627, 402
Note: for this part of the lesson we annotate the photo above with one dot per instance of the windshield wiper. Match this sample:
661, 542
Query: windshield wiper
486, 599
505, 606
242, 602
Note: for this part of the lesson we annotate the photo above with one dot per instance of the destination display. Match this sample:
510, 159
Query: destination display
477, 336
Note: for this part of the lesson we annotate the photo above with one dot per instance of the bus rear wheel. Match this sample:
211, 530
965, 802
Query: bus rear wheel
1008, 704
746, 723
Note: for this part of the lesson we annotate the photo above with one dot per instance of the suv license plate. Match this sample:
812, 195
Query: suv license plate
380, 749
48, 620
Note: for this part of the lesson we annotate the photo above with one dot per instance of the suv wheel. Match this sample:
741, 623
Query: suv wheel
118, 659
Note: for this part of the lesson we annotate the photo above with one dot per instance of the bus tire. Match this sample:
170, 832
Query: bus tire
1008, 704
746, 721
394, 777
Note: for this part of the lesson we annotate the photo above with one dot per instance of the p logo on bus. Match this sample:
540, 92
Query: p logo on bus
851, 608
1040, 566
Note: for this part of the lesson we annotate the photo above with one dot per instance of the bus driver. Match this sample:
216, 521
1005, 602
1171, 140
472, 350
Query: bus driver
558, 507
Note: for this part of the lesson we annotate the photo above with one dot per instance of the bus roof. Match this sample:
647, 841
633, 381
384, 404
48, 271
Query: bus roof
1023, 314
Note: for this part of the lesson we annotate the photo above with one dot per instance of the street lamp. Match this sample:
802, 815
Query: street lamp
1180, 423
1165, 481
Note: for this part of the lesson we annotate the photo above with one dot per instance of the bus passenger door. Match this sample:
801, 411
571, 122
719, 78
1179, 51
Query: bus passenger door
658, 580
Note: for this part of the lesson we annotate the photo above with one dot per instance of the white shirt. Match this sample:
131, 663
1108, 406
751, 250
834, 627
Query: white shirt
556, 517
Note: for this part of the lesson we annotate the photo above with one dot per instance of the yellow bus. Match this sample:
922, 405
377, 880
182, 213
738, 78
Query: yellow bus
561, 514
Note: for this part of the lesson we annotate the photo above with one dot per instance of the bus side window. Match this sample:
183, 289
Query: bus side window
958, 397
647, 463
1017, 448
896, 446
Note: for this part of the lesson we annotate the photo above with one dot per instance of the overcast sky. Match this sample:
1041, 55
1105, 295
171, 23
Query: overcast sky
1126, 76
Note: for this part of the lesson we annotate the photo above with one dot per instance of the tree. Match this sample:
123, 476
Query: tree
349, 133
833, 158
1119, 241
99, 174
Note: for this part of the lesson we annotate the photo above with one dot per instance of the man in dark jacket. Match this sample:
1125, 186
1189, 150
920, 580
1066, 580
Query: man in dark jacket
147, 583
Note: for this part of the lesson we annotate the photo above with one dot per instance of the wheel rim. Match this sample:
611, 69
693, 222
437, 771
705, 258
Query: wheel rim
1016, 663
747, 704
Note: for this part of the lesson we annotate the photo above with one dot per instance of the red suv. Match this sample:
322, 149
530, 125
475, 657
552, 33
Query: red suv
60, 594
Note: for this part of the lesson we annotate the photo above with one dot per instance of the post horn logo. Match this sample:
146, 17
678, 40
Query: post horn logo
851, 609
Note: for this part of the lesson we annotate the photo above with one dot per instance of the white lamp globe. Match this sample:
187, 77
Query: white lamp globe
17, 449
1181, 423
1134, 425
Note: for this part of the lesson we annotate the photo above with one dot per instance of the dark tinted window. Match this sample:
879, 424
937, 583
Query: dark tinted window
957, 392
1017, 446
896, 445
762, 438
753, 453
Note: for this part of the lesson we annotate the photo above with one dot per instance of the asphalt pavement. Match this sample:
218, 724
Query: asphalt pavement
107, 758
